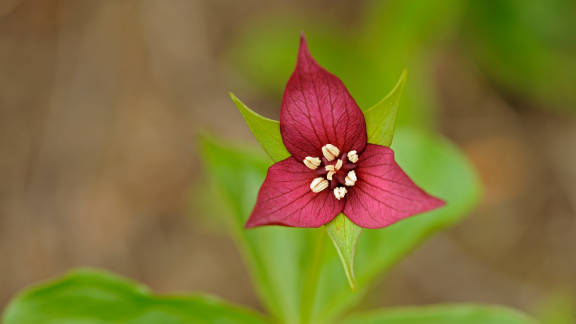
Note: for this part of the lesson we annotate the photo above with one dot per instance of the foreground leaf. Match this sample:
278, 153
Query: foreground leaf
344, 235
381, 118
95, 297
443, 314
265, 130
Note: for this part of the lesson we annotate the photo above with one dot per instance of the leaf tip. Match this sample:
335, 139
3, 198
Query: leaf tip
353, 285
240, 105
401, 82
234, 98
403, 75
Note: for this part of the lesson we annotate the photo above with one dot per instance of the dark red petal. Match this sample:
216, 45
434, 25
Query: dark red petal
384, 194
318, 110
285, 198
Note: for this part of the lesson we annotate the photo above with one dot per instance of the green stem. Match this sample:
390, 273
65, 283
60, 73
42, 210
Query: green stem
311, 283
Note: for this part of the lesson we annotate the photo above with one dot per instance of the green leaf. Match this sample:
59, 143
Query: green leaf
443, 314
381, 118
96, 297
344, 235
521, 46
557, 308
266, 131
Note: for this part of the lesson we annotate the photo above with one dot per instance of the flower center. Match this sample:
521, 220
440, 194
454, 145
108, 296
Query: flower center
334, 170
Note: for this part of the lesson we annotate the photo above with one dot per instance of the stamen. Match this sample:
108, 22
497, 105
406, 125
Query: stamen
330, 152
351, 178
330, 174
353, 156
340, 192
329, 167
312, 162
319, 184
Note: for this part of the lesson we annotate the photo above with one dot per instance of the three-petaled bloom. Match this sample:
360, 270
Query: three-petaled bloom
332, 168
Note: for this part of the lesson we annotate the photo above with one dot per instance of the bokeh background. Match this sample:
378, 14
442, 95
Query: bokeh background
101, 102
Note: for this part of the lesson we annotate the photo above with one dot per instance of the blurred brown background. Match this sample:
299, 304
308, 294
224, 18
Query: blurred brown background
100, 102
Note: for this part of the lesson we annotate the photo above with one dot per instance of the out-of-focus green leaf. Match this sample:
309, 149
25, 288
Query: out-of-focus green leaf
393, 35
526, 47
443, 314
401, 35
266, 131
280, 258
266, 53
95, 297
434, 164
557, 308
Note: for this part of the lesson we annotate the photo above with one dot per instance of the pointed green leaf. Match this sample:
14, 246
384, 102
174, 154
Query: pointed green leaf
344, 235
266, 131
381, 118
443, 314
380, 125
96, 297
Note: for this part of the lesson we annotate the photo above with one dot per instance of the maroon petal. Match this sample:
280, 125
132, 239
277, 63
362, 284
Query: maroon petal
318, 110
285, 198
384, 194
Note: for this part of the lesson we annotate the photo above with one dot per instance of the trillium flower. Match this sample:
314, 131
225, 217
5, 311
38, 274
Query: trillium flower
332, 168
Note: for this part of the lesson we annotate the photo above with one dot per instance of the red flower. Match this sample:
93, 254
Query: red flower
332, 168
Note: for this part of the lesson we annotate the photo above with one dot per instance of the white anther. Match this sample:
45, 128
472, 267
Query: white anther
330, 152
353, 156
330, 174
329, 167
312, 162
340, 192
319, 184
351, 178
